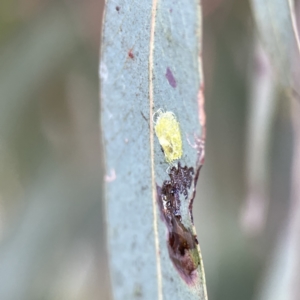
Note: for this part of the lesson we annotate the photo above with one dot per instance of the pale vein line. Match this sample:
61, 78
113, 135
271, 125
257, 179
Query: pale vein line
294, 23
151, 103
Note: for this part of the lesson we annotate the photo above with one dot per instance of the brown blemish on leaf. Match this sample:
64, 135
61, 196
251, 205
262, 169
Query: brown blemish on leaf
193, 197
182, 243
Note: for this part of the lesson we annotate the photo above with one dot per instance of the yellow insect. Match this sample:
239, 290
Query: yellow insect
168, 133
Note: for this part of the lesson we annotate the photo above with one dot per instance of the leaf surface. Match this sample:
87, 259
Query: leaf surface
150, 65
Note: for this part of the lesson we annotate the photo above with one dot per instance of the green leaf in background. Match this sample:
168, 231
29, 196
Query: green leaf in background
276, 20
276, 24
150, 69
261, 113
277, 29
41, 48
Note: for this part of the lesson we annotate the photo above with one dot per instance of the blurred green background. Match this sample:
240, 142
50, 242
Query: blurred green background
52, 234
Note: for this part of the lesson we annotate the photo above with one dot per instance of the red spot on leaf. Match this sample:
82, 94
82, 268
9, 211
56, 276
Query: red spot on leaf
171, 79
130, 54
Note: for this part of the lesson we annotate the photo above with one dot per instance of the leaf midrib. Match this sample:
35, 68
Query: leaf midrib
151, 104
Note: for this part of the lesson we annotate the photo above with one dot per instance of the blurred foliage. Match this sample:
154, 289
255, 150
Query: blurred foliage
51, 224
51, 212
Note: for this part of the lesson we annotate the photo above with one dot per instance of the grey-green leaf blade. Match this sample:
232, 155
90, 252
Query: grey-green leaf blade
127, 153
140, 265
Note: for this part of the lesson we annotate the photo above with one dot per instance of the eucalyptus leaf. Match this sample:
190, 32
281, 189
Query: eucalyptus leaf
278, 29
276, 24
151, 106
261, 113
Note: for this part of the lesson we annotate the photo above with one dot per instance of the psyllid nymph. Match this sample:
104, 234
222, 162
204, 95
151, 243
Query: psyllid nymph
167, 130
